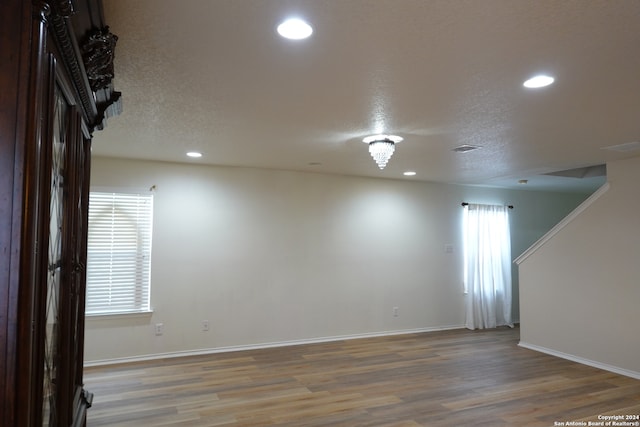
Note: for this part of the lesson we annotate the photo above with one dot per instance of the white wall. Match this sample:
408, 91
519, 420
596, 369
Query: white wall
580, 291
274, 256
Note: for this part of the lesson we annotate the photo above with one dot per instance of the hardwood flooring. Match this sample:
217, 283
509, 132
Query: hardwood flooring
450, 378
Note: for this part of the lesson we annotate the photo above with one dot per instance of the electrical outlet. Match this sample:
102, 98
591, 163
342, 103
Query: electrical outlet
205, 325
395, 311
159, 329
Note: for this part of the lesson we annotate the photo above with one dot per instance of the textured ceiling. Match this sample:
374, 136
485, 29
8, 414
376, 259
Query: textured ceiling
214, 76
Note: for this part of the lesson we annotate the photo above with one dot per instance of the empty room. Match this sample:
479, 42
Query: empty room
321, 213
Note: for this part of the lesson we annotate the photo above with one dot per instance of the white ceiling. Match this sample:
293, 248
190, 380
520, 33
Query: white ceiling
214, 76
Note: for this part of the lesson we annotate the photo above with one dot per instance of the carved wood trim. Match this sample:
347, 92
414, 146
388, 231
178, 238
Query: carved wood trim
98, 54
63, 8
90, 66
65, 42
112, 107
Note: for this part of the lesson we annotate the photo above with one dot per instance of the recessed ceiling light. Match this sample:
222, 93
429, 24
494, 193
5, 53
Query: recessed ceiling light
538, 81
194, 154
295, 29
409, 173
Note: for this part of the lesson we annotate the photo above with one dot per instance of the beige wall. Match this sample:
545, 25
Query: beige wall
580, 291
269, 257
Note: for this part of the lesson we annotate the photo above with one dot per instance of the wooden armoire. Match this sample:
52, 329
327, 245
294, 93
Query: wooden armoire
56, 90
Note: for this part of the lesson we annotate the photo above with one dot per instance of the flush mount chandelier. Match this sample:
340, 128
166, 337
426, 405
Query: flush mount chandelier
382, 147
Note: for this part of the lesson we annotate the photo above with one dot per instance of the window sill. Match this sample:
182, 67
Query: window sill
124, 315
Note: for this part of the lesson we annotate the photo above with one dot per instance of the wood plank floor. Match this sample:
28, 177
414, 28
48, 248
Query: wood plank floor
450, 378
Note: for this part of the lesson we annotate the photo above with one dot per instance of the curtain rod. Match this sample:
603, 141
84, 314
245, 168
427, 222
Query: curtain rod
467, 204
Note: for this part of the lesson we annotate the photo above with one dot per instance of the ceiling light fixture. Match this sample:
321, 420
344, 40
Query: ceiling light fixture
295, 29
382, 147
538, 81
194, 154
409, 173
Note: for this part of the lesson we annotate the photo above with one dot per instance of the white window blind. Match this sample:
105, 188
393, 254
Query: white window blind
119, 253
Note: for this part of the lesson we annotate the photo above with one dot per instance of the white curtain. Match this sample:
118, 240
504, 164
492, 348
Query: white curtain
487, 266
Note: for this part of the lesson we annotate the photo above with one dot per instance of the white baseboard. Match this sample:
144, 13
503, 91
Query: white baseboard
200, 352
583, 361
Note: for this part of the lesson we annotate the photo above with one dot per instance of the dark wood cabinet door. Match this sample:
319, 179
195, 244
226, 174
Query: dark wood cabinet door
66, 155
52, 99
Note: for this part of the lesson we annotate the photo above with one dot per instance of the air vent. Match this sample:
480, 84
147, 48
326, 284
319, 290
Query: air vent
464, 148
624, 148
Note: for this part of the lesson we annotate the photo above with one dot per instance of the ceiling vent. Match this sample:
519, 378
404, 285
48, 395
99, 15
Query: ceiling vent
464, 148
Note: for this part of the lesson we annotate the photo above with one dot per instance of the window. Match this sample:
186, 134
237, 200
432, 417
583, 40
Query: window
487, 266
119, 253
